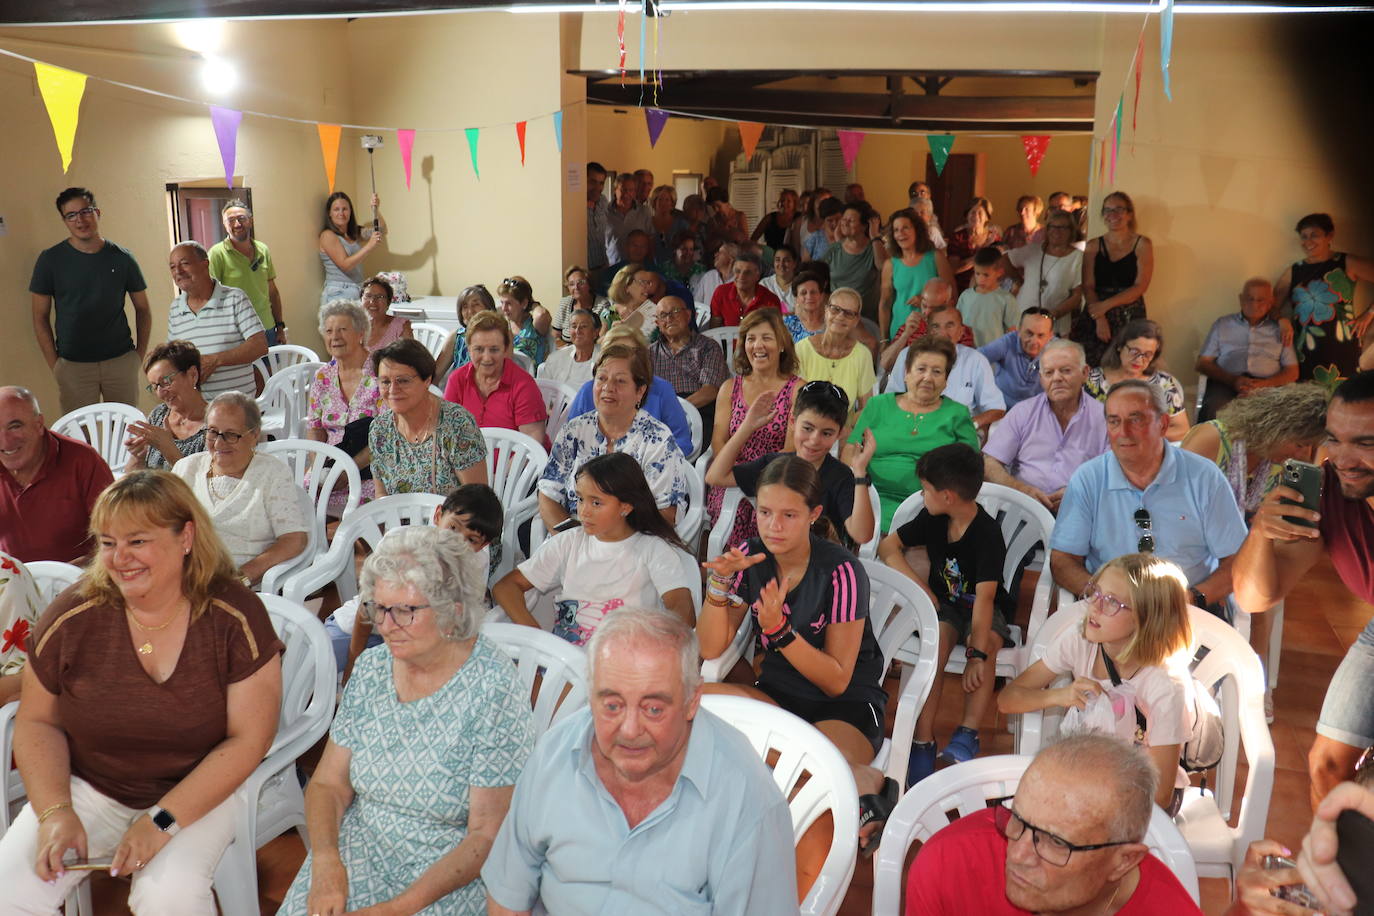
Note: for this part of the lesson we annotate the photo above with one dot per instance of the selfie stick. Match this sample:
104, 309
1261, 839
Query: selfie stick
370, 143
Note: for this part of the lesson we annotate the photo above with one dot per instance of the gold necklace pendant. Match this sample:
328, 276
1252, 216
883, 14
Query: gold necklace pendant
145, 649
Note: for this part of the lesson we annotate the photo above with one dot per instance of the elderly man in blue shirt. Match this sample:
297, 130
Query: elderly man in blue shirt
1244, 351
1147, 496
644, 803
1015, 356
970, 381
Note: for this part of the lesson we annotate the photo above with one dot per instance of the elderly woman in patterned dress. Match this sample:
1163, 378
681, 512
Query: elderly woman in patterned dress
344, 391
432, 732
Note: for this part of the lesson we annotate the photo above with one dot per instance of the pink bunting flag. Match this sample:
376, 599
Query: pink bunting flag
520, 135
620, 36
226, 123
850, 141
405, 139
1035, 151
654, 119
749, 134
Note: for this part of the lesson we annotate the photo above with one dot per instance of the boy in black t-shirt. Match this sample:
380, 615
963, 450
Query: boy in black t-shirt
966, 559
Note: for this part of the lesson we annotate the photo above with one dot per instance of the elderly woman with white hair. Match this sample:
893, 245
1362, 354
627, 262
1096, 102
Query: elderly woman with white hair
430, 736
253, 501
344, 396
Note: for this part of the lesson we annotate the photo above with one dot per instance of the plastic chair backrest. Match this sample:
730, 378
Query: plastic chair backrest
694, 424
431, 335
308, 667
558, 397
281, 356
104, 427
50, 579
690, 520
728, 338
11, 786
829, 786
317, 468
558, 664
524, 360
287, 394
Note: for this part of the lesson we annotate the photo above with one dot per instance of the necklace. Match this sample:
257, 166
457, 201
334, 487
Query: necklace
419, 435
147, 647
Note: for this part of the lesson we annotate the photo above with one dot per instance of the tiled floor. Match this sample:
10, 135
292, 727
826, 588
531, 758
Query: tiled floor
1321, 620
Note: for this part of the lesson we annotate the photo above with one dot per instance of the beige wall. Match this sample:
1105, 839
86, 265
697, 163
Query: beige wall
619, 140
129, 146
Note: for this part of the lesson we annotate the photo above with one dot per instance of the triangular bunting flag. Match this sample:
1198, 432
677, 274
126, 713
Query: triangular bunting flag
329, 146
940, 145
1035, 151
850, 141
520, 135
405, 139
749, 134
226, 122
1116, 138
654, 119
61, 90
472, 133
558, 129
1166, 42
1137, 64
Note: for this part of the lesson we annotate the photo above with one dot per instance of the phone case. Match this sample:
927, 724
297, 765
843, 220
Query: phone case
1307, 480
1354, 853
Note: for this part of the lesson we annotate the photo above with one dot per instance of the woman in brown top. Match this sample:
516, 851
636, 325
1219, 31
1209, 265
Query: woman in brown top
151, 693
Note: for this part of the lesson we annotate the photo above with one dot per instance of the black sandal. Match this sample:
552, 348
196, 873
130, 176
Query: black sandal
877, 808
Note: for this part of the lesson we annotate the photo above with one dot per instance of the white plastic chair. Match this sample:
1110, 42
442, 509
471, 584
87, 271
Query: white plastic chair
802, 750
692, 519
285, 400
1024, 523
694, 424
523, 359
965, 789
281, 356
431, 335
366, 523
12, 794
703, 310
558, 397
728, 338
271, 800
50, 578
515, 463
558, 663
317, 469
104, 427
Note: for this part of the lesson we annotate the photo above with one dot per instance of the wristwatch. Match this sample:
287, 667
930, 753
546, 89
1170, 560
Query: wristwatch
280, 326
864, 481
1199, 599
163, 820
972, 653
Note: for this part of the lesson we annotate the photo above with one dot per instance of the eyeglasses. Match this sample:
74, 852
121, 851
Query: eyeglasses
1137, 355
1110, 605
842, 312
1053, 848
164, 382
238, 219
375, 297
1146, 544
75, 215
230, 437
664, 316
404, 381
255, 263
403, 615
823, 387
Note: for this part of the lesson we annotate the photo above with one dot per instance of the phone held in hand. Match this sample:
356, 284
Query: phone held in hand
1306, 479
1293, 893
1354, 853
96, 863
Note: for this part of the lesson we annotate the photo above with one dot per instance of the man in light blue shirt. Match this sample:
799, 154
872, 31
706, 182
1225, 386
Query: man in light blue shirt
1147, 496
970, 382
644, 803
1015, 356
1245, 350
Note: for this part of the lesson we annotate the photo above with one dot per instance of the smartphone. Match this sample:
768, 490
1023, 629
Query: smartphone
1307, 480
98, 863
566, 524
1354, 853
1293, 893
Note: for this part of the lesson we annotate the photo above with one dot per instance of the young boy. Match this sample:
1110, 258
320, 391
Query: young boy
819, 411
987, 308
474, 511
966, 553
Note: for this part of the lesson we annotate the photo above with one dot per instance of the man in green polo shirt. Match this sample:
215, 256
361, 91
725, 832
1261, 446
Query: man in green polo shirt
243, 262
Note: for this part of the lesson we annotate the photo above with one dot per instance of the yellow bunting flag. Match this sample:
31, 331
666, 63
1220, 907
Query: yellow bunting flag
62, 90
329, 146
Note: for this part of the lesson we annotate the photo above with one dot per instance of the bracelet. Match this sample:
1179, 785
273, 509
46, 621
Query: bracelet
52, 809
777, 629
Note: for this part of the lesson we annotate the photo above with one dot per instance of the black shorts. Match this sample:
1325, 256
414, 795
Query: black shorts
866, 717
962, 621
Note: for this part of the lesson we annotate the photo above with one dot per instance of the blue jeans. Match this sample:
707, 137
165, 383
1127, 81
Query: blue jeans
1348, 711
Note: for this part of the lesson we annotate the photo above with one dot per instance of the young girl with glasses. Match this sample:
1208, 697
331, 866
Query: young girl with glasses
1134, 620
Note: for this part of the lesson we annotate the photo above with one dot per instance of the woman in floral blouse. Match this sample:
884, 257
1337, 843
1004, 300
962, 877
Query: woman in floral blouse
20, 606
344, 391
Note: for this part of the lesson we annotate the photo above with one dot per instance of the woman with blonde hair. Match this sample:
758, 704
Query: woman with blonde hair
1133, 628
151, 693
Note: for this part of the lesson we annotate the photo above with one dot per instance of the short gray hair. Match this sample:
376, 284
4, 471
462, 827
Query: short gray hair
1153, 392
937, 284
441, 566
252, 413
1096, 756
1063, 343
236, 204
656, 627
197, 247
23, 394
350, 308
750, 257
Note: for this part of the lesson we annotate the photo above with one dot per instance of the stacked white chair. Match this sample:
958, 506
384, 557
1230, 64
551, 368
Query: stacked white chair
559, 665
829, 786
965, 789
105, 427
515, 463
431, 335
285, 400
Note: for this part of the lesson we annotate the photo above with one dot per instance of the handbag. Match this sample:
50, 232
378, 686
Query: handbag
355, 440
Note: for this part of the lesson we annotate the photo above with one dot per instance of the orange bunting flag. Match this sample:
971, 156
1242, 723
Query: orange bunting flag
749, 134
520, 135
329, 147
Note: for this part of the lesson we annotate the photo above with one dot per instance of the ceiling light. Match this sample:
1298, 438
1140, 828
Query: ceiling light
218, 76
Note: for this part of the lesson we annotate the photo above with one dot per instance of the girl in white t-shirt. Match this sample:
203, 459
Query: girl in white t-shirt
1135, 617
622, 553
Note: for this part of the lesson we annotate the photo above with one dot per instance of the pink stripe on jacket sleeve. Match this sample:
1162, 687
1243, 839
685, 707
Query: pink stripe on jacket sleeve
844, 590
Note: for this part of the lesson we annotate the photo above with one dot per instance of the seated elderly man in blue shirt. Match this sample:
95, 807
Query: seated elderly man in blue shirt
644, 803
1147, 496
1015, 356
970, 381
1043, 440
1244, 351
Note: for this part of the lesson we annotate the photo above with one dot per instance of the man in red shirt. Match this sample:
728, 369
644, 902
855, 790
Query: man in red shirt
1070, 842
48, 484
732, 301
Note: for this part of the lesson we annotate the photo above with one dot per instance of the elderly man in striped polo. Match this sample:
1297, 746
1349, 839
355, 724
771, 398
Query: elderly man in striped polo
220, 320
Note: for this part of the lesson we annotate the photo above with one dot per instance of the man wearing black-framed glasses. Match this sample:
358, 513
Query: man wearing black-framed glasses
1146, 496
242, 261
1072, 840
